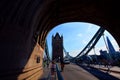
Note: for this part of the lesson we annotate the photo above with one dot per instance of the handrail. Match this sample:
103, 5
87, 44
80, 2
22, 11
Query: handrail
58, 73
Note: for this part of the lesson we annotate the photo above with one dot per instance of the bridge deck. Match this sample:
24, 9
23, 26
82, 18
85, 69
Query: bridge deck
75, 72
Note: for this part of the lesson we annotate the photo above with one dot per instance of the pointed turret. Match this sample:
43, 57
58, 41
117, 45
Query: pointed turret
110, 46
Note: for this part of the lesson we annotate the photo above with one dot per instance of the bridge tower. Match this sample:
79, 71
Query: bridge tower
57, 47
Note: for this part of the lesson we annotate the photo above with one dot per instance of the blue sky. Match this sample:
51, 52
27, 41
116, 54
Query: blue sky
76, 35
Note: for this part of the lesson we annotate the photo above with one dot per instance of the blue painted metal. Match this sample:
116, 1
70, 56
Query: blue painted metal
91, 43
67, 54
59, 73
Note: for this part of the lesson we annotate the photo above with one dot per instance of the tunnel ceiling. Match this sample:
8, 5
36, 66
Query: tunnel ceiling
40, 16
100, 12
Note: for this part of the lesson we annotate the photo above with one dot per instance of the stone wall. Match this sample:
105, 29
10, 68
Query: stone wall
20, 55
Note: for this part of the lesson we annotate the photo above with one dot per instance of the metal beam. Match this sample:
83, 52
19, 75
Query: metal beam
92, 42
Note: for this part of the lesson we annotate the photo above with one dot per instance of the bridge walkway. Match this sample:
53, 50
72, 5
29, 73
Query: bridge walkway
113, 70
74, 72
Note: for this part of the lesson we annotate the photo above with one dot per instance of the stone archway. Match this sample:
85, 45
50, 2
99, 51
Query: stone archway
21, 21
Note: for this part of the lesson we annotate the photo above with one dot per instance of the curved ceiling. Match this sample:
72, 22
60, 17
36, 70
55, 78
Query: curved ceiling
21, 21
102, 13
38, 17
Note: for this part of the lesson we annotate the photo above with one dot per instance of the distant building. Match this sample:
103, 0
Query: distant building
111, 49
110, 46
112, 56
57, 47
104, 55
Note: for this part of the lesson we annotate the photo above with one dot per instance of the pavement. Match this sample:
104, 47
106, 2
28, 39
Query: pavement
47, 72
114, 69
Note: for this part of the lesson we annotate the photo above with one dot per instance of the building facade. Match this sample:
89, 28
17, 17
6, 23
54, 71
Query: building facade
57, 47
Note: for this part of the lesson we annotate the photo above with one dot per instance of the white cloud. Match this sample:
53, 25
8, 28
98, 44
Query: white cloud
115, 45
97, 49
92, 52
79, 35
89, 28
74, 53
84, 42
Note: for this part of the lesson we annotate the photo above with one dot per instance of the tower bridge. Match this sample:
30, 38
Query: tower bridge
58, 49
24, 25
82, 57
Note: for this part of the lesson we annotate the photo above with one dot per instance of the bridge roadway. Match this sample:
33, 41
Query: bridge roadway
75, 72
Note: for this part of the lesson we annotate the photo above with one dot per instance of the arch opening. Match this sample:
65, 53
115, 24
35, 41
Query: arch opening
80, 29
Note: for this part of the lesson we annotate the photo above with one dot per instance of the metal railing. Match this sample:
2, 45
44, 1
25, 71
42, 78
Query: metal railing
59, 76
